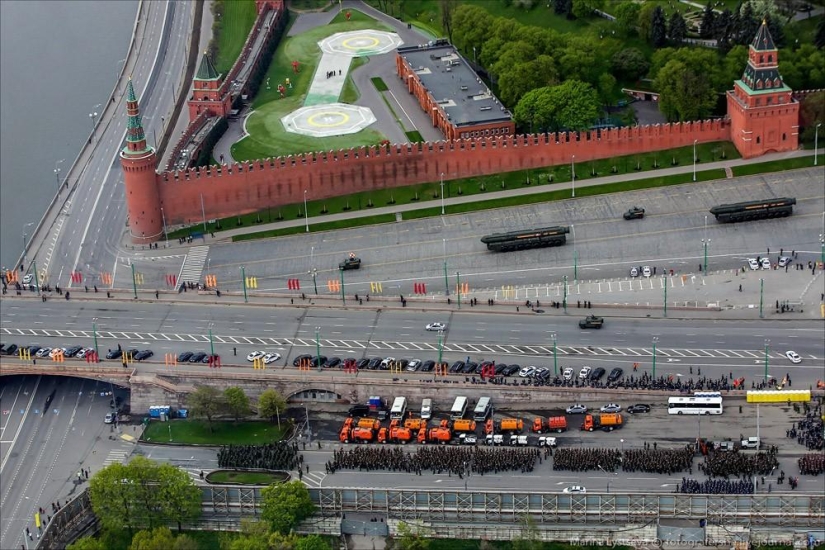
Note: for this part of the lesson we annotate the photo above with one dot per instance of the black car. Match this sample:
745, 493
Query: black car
332, 362
458, 366
635, 213
131, 352
143, 355
318, 360
114, 354
638, 408
184, 356
72, 351
512, 369
615, 374
300, 358
11, 349
359, 410
500, 368
374, 363
197, 357
469, 368
34, 349
427, 366
362, 363
597, 374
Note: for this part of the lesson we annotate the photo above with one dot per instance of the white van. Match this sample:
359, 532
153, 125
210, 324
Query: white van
427, 409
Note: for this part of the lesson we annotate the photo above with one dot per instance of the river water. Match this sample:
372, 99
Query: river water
58, 61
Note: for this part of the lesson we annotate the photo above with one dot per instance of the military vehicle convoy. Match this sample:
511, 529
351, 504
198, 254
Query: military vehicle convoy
753, 210
528, 238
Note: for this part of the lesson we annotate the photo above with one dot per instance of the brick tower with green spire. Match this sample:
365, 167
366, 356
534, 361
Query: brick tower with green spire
138, 160
763, 113
208, 92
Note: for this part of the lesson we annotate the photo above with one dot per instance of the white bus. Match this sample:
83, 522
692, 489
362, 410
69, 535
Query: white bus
459, 408
427, 409
399, 408
698, 404
483, 409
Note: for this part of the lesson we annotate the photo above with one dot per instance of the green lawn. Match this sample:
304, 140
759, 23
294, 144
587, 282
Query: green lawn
268, 138
772, 166
246, 478
236, 22
457, 544
196, 432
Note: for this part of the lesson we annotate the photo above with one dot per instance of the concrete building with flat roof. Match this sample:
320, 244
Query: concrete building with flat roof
450, 91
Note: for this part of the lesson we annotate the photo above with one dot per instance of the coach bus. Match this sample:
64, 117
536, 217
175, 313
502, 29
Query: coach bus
483, 409
459, 408
399, 408
700, 403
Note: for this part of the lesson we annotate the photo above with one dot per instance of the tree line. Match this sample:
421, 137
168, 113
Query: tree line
209, 403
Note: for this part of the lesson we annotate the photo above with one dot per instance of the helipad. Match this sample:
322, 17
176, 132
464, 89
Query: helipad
360, 43
332, 119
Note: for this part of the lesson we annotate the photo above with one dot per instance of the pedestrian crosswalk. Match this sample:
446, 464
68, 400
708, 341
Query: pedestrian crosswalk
116, 456
313, 479
192, 268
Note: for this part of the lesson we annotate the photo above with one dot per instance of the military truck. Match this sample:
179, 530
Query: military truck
591, 321
350, 263
635, 213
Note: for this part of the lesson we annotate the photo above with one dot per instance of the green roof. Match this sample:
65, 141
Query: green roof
763, 91
207, 70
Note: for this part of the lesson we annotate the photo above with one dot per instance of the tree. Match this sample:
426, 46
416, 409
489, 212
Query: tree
572, 105
114, 497
646, 19
311, 542
627, 16
677, 28
206, 402
181, 498
529, 537
803, 68
811, 113
87, 543
447, 10
562, 7
159, 538
607, 85
410, 537
471, 25
237, 402
523, 77
819, 39
270, 404
734, 65
658, 29
684, 94
708, 24
184, 542
630, 64
723, 30
285, 505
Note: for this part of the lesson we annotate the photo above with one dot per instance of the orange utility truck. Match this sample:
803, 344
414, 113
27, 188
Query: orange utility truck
606, 422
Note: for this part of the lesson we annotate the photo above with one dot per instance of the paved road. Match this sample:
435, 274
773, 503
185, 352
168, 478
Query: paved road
716, 347
42, 448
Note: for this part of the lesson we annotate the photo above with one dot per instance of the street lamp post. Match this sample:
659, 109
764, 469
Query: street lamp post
816, 141
705, 243
655, 339
93, 116
442, 193
761, 296
664, 311
440, 346
555, 356
312, 270
622, 442
767, 343
306, 214
694, 159
458, 288
575, 254
243, 282
564, 300
318, 347
446, 280
94, 333
165, 231
57, 172
573, 174
343, 293
211, 340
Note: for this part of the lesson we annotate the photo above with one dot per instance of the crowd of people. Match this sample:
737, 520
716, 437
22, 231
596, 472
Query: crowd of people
735, 464
437, 459
812, 464
809, 430
583, 460
643, 381
647, 459
272, 456
715, 487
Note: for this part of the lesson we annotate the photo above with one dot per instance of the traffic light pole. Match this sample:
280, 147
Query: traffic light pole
36, 278
318, 347
761, 296
665, 307
211, 341
343, 295
94, 335
458, 288
243, 281
555, 357
564, 300
134, 281
440, 346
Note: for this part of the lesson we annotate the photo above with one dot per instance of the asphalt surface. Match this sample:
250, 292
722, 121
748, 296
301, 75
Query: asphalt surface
717, 347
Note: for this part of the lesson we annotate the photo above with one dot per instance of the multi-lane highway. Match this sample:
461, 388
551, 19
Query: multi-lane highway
717, 347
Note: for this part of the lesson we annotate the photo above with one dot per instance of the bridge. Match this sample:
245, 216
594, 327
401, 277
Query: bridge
606, 518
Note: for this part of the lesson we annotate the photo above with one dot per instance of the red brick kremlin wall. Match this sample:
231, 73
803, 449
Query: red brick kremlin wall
249, 186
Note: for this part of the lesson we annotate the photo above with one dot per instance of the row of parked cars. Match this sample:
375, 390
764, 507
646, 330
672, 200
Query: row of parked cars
79, 352
578, 408
593, 375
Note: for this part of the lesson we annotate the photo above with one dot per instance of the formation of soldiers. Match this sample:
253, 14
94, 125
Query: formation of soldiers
272, 456
458, 461
809, 430
812, 464
715, 487
736, 464
648, 459
669, 383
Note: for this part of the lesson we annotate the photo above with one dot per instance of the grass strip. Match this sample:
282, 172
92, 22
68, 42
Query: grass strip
323, 226
772, 166
379, 84
196, 432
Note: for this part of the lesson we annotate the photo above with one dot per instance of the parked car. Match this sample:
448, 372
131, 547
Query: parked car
584, 373
332, 362
634, 271
414, 365
303, 357
83, 353
578, 408
114, 354
766, 263
11, 349
567, 374
255, 355
427, 366
109, 418
374, 363
143, 355
184, 356
511, 370
784, 260
610, 408
615, 374
597, 374
72, 351
527, 371
635, 213
469, 368
753, 264
646, 271
362, 363
638, 408
45, 352
198, 357
271, 357
457, 366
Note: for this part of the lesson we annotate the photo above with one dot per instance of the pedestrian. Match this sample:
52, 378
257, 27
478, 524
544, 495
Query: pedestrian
157, 295
234, 351
201, 474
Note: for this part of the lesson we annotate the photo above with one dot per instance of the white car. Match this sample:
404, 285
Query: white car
55, 351
584, 373
634, 271
386, 362
753, 264
436, 327
611, 408
567, 374
271, 357
413, 365
578, 408
28, 278
469, 439
83, 353
576, 489
646, 271
793, 357
45, 352
766, 263
783, 261
109, 418
255, 355
539, 371
526, 371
